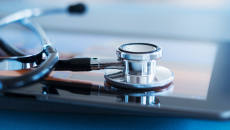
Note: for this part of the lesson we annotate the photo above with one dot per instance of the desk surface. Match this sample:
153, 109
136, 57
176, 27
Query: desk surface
51, 120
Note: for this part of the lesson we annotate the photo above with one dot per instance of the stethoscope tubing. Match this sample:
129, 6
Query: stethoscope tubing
41, 71
44, 67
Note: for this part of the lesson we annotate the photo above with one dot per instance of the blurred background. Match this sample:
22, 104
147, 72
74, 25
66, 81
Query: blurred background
191, 19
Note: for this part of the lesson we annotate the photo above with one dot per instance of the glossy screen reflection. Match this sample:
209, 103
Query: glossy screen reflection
162, 77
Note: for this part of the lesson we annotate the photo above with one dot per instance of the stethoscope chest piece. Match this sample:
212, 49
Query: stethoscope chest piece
139, 70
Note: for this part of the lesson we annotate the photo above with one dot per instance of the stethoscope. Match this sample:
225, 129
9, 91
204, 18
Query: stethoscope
134, 68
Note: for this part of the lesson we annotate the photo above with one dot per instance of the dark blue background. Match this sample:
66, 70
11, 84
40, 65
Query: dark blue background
21, 120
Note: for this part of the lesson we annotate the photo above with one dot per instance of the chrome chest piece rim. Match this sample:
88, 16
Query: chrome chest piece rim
139, 51
139, 67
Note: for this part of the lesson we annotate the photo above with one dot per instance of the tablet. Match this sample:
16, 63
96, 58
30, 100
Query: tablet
199, 90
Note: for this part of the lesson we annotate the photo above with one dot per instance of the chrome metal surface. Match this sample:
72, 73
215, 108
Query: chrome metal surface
139, 71
143, 97
139, 79
162, 77
94, 63
138, 48
97, 63
16, 65
143, 100
147, 51
163, 90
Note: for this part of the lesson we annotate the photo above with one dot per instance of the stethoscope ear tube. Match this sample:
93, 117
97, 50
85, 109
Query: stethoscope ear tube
34, 75
38, 73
